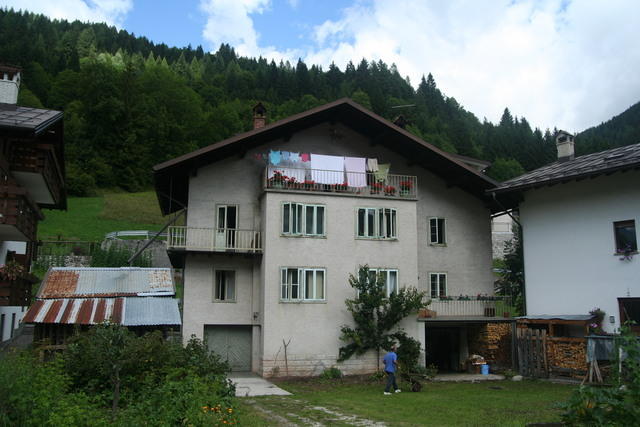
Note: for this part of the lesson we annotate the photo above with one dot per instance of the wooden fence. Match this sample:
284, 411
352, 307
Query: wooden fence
531, 346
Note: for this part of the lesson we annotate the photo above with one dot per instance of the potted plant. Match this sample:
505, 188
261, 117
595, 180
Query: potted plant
405, 188
309, 184
278, 179
377, 188
627, 253
389, 190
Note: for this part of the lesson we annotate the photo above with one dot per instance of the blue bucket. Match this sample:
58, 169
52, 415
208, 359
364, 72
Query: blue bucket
484, 369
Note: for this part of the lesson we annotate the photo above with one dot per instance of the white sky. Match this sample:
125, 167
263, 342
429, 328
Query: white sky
570, 64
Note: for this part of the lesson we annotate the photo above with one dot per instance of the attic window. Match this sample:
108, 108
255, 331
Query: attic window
625, 235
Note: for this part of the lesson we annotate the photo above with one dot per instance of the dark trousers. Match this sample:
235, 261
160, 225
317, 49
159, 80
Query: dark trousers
391, 381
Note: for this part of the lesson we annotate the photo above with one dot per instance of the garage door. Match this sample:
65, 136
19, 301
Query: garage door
232, 343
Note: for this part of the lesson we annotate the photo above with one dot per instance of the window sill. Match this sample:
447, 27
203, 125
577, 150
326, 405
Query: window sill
304, 236
323, 301
390, 239
220, 301
441, 245
624, 254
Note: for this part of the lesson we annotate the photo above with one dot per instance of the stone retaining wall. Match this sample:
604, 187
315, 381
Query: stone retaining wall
314, 365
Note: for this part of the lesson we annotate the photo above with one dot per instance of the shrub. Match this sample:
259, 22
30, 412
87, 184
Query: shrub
117, 256
35, 393
332, 373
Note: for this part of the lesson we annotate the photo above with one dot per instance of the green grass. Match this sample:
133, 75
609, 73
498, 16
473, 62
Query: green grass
503, 403
90, 218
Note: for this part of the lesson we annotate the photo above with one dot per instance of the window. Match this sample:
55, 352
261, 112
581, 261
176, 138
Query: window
299, 219
438, 284
302, 284
625, 234
630, 311
376, 223
225, 286
437, 231
389, 277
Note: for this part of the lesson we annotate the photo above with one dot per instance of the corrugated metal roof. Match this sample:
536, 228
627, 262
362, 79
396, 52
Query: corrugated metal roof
78, 282
151, 311
129, 311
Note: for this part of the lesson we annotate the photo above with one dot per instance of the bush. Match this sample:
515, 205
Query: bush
35, 393
117, 256
616, 405
332, 373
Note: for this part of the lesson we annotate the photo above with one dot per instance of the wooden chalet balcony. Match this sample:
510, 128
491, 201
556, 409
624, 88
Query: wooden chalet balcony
214, 239
347, 183
19, 215
470, 307
35, 167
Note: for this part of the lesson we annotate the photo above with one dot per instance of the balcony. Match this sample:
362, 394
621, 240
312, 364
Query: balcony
19, 214
34, 167
465, 307
214, 240
347, 183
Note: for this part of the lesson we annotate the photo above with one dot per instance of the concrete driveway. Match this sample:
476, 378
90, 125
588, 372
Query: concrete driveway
250, 384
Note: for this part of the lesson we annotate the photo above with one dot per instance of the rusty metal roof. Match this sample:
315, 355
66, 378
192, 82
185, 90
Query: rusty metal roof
79, 282
130, 311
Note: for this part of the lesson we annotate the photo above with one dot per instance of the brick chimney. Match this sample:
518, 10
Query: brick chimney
565, 146
259, 116
9, 84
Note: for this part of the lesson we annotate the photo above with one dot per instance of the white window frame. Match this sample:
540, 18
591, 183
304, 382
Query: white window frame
297, 219
216, 293
296, 291
380, 225
438, 231
388, 272
439, 286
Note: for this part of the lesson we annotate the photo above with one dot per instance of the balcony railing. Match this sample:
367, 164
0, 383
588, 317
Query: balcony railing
19, 211
214, 239
354, 183
483, 306
38, 159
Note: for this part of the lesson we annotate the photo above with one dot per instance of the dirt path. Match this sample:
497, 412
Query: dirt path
286, 411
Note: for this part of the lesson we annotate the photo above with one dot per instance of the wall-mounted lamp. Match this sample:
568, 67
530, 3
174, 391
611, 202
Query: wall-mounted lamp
255, 315
612, 319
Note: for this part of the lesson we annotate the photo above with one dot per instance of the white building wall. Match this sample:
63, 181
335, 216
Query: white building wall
10, 313
314, 327
569, 246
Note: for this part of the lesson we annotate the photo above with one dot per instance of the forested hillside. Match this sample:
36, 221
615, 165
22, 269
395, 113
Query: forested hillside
623, 129
130, 103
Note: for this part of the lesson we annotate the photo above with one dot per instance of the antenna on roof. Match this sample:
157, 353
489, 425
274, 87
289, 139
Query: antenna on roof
404, 106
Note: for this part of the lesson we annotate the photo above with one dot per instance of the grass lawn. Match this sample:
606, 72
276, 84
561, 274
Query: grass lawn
90, 218
501, 403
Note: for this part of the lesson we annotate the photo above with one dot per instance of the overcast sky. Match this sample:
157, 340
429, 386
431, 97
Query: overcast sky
570, 64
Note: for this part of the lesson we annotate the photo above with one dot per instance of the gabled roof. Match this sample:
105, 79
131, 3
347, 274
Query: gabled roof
589, 165
83, 282
27, 119
172, 177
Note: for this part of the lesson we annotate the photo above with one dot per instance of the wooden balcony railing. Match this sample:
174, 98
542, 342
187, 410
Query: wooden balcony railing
353, 183
483, 306
214, 239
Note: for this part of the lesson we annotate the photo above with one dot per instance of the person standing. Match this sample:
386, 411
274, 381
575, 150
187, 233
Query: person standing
390, 367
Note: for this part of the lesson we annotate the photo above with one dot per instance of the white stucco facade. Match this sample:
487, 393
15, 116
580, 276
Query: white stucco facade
569, 246
312, 329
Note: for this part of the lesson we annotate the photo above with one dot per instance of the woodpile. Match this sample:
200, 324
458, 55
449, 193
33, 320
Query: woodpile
493, 342
567, 356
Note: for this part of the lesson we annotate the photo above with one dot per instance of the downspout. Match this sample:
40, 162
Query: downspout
520, 236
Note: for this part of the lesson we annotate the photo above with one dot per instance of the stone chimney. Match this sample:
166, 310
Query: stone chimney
565, 145
259, 116
9, 84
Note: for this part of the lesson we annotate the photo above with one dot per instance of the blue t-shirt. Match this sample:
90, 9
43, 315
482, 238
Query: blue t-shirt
389, 359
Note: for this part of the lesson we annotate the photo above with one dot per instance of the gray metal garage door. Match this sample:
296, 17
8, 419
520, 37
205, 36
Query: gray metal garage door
232, 343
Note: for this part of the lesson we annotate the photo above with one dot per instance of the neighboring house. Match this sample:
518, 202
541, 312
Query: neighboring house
501, 233
266, 258
32, 177
75, 298
579, 221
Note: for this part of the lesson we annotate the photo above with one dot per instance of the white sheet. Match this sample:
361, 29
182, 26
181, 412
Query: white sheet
356, 171
327, 169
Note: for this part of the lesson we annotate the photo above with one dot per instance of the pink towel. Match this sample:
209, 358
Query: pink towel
305, 157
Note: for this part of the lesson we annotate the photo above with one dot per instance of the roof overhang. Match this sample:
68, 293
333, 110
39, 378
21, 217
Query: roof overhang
171, 178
